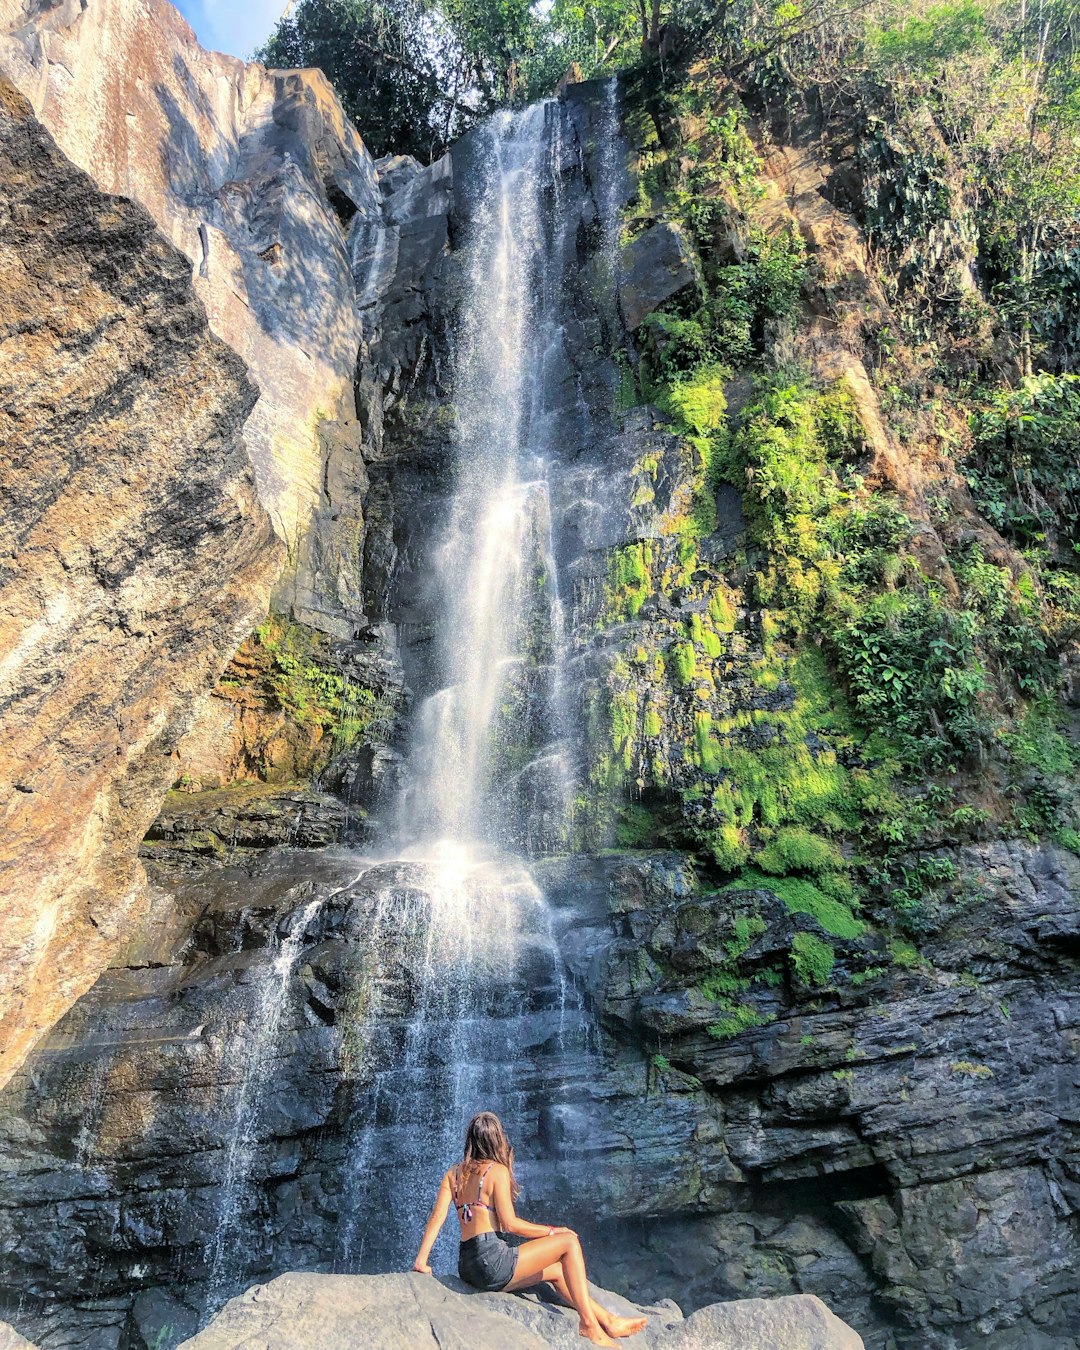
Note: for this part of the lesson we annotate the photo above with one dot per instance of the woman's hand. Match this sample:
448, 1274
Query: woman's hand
421, 1267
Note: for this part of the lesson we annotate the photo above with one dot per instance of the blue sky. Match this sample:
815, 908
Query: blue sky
233, 26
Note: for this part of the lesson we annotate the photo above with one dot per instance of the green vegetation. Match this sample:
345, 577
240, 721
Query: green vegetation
812, 959
876, 674
629, 580
965, 1067
736, 1018
801, 896
299, 675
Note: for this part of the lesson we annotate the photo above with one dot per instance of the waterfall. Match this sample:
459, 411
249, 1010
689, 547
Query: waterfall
458, 920
225, 1250
493, 569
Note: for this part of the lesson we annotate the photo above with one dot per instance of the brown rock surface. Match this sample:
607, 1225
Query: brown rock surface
134, 555
256, 176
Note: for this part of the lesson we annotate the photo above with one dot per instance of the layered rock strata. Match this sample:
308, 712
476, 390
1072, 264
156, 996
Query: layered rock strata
257, 178
134, 554
857, 1134
301, 256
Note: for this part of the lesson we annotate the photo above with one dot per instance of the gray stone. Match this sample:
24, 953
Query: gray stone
653, 267
407, 1312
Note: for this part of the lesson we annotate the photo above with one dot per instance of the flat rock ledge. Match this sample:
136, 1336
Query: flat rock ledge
409, 1312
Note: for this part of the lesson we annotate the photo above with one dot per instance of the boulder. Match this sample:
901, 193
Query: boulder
408, 1311
11, 1340
653, 267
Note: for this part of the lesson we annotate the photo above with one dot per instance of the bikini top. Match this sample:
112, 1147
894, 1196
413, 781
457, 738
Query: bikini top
465, 1208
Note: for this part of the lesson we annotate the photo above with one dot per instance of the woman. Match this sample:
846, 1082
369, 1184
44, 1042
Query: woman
482, 1187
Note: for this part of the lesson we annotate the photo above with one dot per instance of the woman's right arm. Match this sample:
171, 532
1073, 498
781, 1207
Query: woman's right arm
508, 1221
438, 1217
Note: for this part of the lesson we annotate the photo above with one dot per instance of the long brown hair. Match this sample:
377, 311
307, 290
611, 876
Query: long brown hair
486, 1141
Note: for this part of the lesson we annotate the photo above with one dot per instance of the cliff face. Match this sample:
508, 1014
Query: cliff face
274, 204
256, 177
134, 554
796, 1095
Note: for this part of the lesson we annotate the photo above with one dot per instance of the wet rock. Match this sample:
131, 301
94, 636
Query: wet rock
230, 822
653, 267
383, 1311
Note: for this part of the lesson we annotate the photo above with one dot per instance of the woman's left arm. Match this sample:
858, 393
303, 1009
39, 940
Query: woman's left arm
431, 1232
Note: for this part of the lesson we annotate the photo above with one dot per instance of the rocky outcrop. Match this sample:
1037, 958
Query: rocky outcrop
134, 555
653, 267
375, 1312
11, 1340
779, 1108
278, 211
229, 823
257, 177
925, 1114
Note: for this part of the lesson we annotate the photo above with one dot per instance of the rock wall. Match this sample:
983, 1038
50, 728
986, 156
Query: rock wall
257, 177
298, 255
896, 1133
134, 554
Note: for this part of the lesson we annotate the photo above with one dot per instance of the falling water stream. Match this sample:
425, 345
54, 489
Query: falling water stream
254, 1054
458, 911
460, 997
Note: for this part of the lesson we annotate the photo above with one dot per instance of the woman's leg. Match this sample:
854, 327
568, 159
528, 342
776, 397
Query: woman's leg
537, 1261
613, 1325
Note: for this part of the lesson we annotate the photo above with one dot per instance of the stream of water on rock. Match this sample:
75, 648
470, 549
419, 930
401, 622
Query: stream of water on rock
460, 999
255, 1054
458, 913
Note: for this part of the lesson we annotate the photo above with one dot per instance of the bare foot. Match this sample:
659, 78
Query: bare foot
626, 1326
596, 1334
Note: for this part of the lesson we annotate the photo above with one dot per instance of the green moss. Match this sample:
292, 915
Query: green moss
1069, 839
737, 1017
748, 928
682, 662
795, 849
624, 720
802, 896
629, 579
635, 827
970, 1070
904, 953
721, 612
303, 681
1037, 739
704, 636
812, 959
728, 847
722, 983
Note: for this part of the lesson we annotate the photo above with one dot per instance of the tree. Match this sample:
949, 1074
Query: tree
386, 59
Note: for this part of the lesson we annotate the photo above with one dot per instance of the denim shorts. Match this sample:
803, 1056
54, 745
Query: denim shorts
487, 1261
